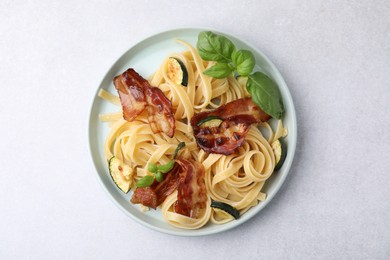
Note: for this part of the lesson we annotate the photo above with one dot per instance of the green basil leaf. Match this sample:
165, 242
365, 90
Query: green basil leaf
145, 181
159, 176
244, 61
152, 167
214, 47
219, 71
265, 93
166, 167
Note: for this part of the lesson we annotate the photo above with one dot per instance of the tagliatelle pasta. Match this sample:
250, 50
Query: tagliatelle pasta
235, 179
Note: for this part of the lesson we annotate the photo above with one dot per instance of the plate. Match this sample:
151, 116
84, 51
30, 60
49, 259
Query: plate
146, 57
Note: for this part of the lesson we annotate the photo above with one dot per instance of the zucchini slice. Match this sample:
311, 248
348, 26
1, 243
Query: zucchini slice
210, 121
227, 208
177, 72
120, 173
180, 146
280, 151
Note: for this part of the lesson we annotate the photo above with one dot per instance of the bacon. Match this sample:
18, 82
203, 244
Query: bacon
156, 194
191, 196
146, 196
135, 94
236, 117
187, 176
160, 117
130, 88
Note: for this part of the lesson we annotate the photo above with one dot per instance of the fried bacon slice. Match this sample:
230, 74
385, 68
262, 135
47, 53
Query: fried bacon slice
154, 195
130, 88
160, 114
191, 196
145, 196
187, 176
236, 118
135, 94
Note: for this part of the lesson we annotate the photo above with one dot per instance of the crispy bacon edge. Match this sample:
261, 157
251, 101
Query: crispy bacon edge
187, 176
130, 86
160, 114
224, 139
135, 93
154, 195
192, 195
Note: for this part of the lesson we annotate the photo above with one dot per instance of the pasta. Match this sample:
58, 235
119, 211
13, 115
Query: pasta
235, 179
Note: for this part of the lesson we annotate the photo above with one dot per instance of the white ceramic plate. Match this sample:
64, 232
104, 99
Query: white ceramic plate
146, 57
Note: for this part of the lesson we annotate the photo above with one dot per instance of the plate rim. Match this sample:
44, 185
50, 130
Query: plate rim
251, 213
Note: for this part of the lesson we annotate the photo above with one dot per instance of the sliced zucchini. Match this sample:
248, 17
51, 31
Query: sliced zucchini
280, 151
177, 72
227, 208
120, 173
210, 121
180, 146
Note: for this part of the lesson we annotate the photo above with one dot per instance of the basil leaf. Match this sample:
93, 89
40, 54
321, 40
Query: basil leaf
159, 176
145, 181
219, 71
214, 47
244, 61
265, 94
166, 167
152, 167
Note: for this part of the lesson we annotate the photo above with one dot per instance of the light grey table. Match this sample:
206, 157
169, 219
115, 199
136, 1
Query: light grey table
335, 58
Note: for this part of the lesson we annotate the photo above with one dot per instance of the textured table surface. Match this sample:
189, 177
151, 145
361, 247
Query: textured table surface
335, 58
